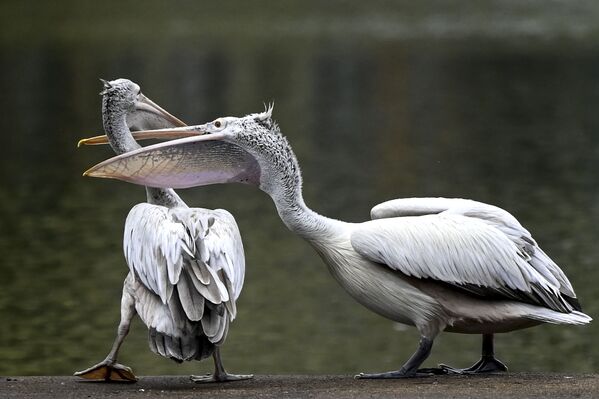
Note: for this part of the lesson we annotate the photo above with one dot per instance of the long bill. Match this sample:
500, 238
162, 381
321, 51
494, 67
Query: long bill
147, 115
140, 135
187, 162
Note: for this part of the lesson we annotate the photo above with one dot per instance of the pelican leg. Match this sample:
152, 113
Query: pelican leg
410, 368
487, 363
108, 369
220, 374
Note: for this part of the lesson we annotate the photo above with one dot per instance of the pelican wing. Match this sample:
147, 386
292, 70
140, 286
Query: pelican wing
191, 258
491, 215
465, 252
217, 244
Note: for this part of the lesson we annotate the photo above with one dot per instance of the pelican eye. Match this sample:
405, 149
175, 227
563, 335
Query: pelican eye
218, 124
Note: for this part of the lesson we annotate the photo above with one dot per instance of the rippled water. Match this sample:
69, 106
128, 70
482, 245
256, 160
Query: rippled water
508, 120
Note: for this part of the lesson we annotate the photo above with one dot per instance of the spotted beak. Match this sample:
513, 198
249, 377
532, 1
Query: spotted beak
188, 162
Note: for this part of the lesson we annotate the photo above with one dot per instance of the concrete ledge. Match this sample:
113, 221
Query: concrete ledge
512, 385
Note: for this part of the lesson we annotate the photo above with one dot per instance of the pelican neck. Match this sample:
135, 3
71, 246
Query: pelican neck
118, 133
309, 224
297, 216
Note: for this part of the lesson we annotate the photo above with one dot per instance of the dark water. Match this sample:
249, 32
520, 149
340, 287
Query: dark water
374, 110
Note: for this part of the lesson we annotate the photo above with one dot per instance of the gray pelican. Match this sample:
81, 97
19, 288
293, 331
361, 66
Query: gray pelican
186, 265
434, 263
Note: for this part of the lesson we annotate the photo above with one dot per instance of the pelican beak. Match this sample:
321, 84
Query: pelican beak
187, 162
101, 169
147, 105
96, 140
159, 134
150, 109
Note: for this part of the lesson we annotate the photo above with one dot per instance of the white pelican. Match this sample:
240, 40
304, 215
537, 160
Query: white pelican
186, 265
434, 263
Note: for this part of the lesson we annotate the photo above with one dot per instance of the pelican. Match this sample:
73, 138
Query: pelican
436, 264
186, 265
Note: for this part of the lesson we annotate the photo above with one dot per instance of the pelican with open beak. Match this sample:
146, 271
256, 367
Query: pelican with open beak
186, 265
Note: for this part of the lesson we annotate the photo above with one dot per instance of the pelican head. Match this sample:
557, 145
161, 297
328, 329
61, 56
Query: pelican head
123, 105
122, 97
250, 150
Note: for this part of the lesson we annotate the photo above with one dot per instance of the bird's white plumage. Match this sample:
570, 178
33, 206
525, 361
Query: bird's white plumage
492, 215
186, 265
462, 242
192, 260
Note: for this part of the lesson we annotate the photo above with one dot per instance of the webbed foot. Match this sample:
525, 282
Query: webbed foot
487, 364
108, 372
396, 374
220, 377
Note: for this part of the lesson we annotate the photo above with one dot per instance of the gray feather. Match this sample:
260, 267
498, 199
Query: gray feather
200, 271
165, 288
188, 346
191, 300
152, 340
230, 304
219, 338
211, 323
159, 341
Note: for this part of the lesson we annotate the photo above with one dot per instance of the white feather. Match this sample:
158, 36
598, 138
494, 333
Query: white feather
499, 250
183, 250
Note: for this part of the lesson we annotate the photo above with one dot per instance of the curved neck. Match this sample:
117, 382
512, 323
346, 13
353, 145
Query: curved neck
118, 133
286, 192
121, 140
